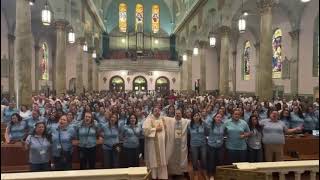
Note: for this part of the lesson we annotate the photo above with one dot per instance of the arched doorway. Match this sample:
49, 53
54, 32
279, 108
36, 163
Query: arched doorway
116, 84
140, 84
162, 85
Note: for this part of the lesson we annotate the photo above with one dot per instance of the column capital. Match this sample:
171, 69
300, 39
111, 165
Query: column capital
189, 52
265, 5
37, 47
11, 37
81, 40
224, 30
203, 44
294, 34
257, 45
61, 24
234, 53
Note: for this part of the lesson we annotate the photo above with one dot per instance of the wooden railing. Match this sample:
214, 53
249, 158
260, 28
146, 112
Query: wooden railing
136, 173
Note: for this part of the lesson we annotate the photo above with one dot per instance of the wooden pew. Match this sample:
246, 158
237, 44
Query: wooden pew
307, 147
14, 158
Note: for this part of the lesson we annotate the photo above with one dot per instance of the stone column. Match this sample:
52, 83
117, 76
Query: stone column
203, 67
294, 69
265, 63
23, 56
234, 72
11, 39
79, 69
36, 67
60, 81
189, 71
97, 77
257, 46
224, 61
90, 78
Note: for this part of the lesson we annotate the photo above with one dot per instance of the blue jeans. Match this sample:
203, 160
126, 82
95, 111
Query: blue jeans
40, 167
215, 156
237, 156
111, 158
255, 155
131, 157
64, 162
196, 153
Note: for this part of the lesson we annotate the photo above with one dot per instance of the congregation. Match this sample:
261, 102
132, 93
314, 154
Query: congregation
166, 131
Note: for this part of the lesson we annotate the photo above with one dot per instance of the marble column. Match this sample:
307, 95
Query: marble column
95, 69
224, 60
11, 39
265, 63
79, 66
61, 46
23, 56
203, 67
257, 86
189, 71
36, 67
294, 69
90, 78
234, 72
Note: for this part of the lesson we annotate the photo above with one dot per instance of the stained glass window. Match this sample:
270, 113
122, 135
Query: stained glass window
123, 17
139, 16
246, 61
44, 71
277, 57
155, 18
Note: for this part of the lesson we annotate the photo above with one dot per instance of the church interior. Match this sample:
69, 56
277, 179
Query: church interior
160, 89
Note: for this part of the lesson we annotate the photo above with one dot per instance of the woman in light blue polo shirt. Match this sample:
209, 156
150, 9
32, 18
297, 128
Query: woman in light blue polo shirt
16, 129
297, 118
38, 144
237, 130
62, 136
130, 135
110, 133
87, 133
310, 120
197, 130
255, 140
215, 144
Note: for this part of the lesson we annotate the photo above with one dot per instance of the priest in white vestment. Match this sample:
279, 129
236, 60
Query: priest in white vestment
155, 144
176, 147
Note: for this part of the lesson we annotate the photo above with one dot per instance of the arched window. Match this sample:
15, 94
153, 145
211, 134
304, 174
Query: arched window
277, 57
140, 84
162, 85
116, 84
316, 48
44, 69
155, 18
246, 61
139, 16
123, 17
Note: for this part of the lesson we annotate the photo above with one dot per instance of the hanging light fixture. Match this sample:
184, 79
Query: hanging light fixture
31, 2
185, 57
304, 1
242, 21
94, 54
212, 40
46, 15
71, 36
85, 47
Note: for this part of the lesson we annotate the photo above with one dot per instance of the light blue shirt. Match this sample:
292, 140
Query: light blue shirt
7, 113
295, 121
234, 129
310, 121
31, 123
87, 135
39, 149
216, 135
111, 136
64, 142
17, 131
197, 134
131, 136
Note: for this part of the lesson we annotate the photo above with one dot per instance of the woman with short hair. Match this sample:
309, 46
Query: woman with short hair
16, 130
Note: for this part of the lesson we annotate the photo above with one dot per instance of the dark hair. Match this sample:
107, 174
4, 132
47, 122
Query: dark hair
213, 120
117, 120
192, 120
300, 112
282, 116
18, 116
128, 120
250, 123
45, 132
